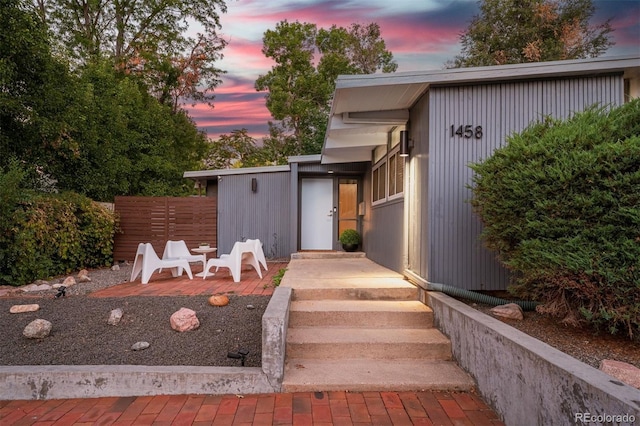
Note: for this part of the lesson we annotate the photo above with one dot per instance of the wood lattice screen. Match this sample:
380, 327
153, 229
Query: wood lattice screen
158, 219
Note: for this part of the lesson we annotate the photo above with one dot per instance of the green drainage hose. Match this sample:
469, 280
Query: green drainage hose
479, 297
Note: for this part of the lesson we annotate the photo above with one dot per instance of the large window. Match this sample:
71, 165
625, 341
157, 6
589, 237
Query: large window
387, 179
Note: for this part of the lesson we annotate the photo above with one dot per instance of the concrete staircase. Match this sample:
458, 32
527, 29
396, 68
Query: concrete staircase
377, 336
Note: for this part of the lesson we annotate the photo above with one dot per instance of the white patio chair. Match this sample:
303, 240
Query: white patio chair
147, 262
178, 250
234, 260
258, 253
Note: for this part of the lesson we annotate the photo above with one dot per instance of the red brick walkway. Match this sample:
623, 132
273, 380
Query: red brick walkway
163, 284
320, 408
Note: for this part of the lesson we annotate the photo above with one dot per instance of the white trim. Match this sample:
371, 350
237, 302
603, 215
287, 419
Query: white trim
239, 171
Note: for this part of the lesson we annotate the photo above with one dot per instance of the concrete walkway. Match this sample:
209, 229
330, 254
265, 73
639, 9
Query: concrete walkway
308, 408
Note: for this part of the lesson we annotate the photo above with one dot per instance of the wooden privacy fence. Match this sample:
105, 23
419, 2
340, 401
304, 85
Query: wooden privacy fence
158, 219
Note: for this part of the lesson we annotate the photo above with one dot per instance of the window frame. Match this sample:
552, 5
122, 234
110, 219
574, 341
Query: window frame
382, 158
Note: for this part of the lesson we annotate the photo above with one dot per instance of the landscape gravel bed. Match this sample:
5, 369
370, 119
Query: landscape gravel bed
81, 335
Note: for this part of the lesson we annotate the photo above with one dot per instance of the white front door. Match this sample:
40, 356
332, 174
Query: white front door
316, 214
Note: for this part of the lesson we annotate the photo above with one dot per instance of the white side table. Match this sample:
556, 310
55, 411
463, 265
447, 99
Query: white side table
204, 251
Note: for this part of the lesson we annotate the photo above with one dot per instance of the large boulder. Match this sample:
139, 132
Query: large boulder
18, 309
509, 311
622, 371
37, 329
219, 300
184, 320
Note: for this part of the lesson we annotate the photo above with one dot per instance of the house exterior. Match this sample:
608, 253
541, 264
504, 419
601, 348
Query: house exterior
411, 210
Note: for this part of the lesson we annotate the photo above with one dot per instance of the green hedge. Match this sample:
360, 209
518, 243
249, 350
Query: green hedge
560, 204
45, 235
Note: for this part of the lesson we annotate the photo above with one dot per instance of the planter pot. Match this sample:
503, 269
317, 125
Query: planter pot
350, 247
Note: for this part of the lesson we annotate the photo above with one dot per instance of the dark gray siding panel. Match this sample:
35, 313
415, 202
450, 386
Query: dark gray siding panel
417, 190
455, 254
385, 246
263, 214
382, 230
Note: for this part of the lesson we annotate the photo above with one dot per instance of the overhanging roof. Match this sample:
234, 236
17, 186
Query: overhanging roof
366, 107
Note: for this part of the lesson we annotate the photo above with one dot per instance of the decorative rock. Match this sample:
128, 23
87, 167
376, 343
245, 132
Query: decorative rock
18, 309
57, 286
622, 371
35, 287
138, 346
37, 329
184, 320
218, 300
115, 316
115, 268
250, 307
83, 272
510, 311
84, 279
69, 281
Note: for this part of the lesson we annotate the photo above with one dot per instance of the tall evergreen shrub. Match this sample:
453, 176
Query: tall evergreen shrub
44, 235
560, 204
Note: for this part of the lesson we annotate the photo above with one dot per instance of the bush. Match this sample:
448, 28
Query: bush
349, 237
44, 235
560, 204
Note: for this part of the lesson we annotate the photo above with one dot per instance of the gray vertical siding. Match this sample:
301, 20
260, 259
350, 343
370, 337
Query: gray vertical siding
417, 190
385, 246
455, 254
264, 214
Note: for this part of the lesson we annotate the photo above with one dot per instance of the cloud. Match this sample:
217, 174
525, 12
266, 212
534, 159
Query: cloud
421, 35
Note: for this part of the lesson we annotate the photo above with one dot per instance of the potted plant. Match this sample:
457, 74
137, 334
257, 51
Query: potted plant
350, 239
204, 245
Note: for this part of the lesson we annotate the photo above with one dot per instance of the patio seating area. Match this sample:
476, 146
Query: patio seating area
164, 284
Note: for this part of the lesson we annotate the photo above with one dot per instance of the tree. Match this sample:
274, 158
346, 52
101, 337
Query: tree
36, 90
278, 146
299, 91
146, 38
128, 143
231, 151
519, 31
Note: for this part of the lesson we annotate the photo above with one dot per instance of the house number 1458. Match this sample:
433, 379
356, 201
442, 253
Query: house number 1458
466, 131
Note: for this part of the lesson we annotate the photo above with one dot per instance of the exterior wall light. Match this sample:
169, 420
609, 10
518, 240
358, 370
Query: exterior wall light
254, 185
404, 143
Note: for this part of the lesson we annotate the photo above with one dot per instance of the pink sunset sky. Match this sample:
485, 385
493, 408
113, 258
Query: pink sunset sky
421, 34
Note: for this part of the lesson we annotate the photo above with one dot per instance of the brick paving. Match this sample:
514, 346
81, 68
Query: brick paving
163, 284
302, 408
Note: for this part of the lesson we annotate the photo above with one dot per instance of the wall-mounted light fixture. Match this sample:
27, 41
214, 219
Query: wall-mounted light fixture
404, 143
254, 185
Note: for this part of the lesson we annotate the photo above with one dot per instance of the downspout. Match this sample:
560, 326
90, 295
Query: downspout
478, 297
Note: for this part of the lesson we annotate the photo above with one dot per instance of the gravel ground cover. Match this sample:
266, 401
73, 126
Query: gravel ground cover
82, 336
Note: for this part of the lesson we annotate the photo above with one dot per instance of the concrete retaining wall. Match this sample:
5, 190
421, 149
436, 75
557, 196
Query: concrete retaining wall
275, 322
93, 381
527, 381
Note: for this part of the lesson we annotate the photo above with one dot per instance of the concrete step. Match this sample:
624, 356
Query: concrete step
357, 289
359, 313
359, 375
367, 343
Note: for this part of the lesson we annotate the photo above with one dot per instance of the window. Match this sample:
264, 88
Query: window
396, 174
387, 178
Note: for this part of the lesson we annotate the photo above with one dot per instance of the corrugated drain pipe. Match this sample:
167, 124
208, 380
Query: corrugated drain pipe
478, 297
